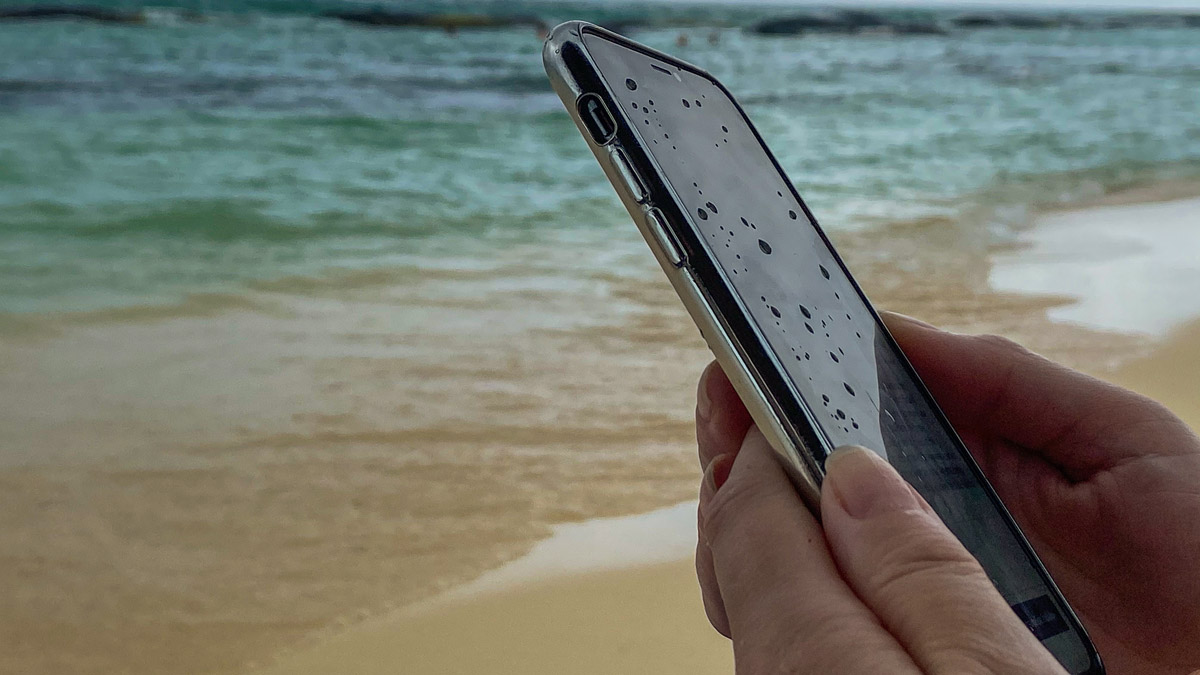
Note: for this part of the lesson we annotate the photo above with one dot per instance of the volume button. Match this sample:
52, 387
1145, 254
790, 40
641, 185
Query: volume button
628, 176
657, 225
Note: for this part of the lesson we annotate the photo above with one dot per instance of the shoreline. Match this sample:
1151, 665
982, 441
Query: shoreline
588, 564
289, 471
1128, 268
645, 618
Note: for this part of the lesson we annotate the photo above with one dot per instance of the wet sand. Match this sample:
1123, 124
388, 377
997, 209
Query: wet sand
644, 620
534, 616
246, 477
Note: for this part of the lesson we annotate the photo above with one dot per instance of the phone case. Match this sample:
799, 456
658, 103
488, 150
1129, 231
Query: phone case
784, 437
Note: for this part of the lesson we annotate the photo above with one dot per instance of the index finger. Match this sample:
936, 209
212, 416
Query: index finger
994, 385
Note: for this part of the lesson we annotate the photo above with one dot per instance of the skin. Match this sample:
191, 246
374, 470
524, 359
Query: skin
1105, 484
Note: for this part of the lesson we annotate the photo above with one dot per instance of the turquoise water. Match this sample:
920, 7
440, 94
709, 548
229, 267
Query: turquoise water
143, 163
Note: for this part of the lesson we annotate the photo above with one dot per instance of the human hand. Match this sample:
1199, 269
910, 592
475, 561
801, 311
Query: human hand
1105, 484
885, 588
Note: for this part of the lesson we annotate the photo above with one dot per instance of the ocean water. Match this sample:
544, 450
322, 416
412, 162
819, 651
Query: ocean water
258, 142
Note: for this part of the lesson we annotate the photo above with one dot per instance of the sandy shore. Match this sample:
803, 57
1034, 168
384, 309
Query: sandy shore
270, 472
648, 619
646, 616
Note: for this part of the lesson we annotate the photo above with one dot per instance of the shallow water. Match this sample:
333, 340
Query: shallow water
142, 163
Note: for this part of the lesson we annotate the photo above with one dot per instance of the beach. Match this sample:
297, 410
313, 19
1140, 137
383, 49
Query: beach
327, 348
290, 506
600, 598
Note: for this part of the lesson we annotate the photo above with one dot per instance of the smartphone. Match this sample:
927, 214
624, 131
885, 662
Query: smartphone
804, 348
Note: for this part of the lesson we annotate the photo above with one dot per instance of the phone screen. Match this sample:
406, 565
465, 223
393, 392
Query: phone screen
813, 320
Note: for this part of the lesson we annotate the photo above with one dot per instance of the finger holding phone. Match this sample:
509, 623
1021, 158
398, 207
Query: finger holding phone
1106, 483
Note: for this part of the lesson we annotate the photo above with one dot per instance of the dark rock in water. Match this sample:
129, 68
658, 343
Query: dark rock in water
845, 21
49, 12
1032, 22
376, 17
451, 22
861, 19
1024, 21
976, 21
796, 25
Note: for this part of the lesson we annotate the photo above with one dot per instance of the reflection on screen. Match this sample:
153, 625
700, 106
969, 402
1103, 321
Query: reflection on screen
810, 315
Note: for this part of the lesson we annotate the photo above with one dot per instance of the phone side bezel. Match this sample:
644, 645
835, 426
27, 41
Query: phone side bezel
717, 289
792, 442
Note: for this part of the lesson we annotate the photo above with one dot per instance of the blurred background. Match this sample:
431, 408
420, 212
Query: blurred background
311, 312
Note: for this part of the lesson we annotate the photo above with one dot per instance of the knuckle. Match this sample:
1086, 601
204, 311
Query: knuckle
805, 644
921, 560
1001, 343
737, 508
725, 507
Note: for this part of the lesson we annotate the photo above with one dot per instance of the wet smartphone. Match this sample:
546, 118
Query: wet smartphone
789, 325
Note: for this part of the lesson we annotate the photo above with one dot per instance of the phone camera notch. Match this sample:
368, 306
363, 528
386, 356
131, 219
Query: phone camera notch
597, 119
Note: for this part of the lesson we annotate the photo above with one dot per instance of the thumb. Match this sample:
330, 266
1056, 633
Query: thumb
912, 572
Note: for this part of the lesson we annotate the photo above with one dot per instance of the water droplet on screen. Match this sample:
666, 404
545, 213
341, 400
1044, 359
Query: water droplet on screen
825, 398
810, 328
698, 104
849, 388
841, 415
724, 128
645, 110
630, 83
791, 214
834, 357
854, 424
807, 356
804, 310
702, 213
775, 311
824, 272
712, 207
766, 248
686, 104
